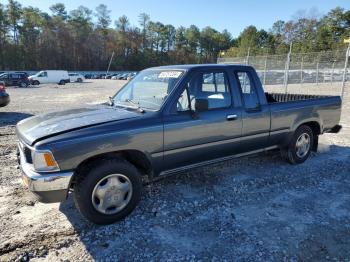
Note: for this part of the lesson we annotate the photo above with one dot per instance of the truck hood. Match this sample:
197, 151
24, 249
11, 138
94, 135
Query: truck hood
39, 127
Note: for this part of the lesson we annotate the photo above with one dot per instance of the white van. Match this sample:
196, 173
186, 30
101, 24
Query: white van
50, 76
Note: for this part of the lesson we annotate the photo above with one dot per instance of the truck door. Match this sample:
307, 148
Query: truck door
43, 77
192, 136
15, 79
12, 80
255, 115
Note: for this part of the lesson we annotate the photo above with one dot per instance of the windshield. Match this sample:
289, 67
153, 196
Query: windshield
41, 73
148, 89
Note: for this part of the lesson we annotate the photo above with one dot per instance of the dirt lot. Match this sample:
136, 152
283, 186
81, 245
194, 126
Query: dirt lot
255, 208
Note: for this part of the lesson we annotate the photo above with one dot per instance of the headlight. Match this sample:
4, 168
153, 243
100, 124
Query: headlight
44, 161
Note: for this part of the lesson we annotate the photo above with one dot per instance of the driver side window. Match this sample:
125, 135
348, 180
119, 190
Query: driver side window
43, 74
212, 87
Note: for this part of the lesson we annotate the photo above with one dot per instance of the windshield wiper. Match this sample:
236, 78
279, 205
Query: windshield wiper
111, 101
141, 110
132, 102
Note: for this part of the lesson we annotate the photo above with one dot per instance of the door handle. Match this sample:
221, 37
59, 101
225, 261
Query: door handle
231, 117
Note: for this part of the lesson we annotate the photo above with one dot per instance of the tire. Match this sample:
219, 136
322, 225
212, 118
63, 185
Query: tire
300, 147
62, 82
79, 80
96, 180
36, 82
23, 84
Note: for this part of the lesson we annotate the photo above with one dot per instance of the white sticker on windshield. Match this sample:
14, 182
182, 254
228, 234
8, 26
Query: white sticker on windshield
169, 74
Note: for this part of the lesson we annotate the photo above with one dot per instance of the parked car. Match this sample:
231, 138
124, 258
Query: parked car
95, 76
75, 77
166, 125
88, 76
15, 79
4, 97
108, 76
50, 76
131, 75
115, 77
111, 76
122, 76
334, 77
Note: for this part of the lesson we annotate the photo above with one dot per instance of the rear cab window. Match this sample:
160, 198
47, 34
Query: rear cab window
248, 90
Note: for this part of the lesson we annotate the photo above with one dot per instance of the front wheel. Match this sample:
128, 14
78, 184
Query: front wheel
299, 149
108, 192
23, 84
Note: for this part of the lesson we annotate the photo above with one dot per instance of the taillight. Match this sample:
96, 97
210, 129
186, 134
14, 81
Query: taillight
2, 87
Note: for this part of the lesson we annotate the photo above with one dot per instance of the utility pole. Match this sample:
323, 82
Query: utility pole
332, 73
247, 60
110, 61
286, 72
265, 68
301, 69
317, 70
345, 66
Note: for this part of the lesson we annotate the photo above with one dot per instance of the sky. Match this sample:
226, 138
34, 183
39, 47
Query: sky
219, 14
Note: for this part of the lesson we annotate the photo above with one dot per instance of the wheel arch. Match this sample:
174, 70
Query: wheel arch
316, 130
314, 125
135, 157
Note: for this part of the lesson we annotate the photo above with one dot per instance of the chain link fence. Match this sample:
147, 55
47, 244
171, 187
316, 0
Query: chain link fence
313, 73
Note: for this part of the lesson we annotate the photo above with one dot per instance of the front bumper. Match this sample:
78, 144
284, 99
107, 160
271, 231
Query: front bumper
47, 187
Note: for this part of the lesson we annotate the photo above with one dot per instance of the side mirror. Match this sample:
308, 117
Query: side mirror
201, 105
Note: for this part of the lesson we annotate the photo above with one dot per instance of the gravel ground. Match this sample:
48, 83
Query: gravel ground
255, 208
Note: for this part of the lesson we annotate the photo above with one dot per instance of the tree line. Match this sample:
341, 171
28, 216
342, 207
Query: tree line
84, 39
307, 33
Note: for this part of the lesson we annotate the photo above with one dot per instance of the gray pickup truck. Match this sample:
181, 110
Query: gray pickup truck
166, 120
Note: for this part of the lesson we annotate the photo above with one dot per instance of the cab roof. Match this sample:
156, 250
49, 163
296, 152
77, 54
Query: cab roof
197, 66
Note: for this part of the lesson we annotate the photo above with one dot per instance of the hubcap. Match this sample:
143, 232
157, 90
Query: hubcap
111, 194
303, 145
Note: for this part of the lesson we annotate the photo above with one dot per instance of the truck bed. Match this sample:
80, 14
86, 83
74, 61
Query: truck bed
290, 110
280, 97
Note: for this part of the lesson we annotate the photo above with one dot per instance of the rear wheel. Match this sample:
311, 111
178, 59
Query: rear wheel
62, 82
299, 149
109, 191
79, 80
